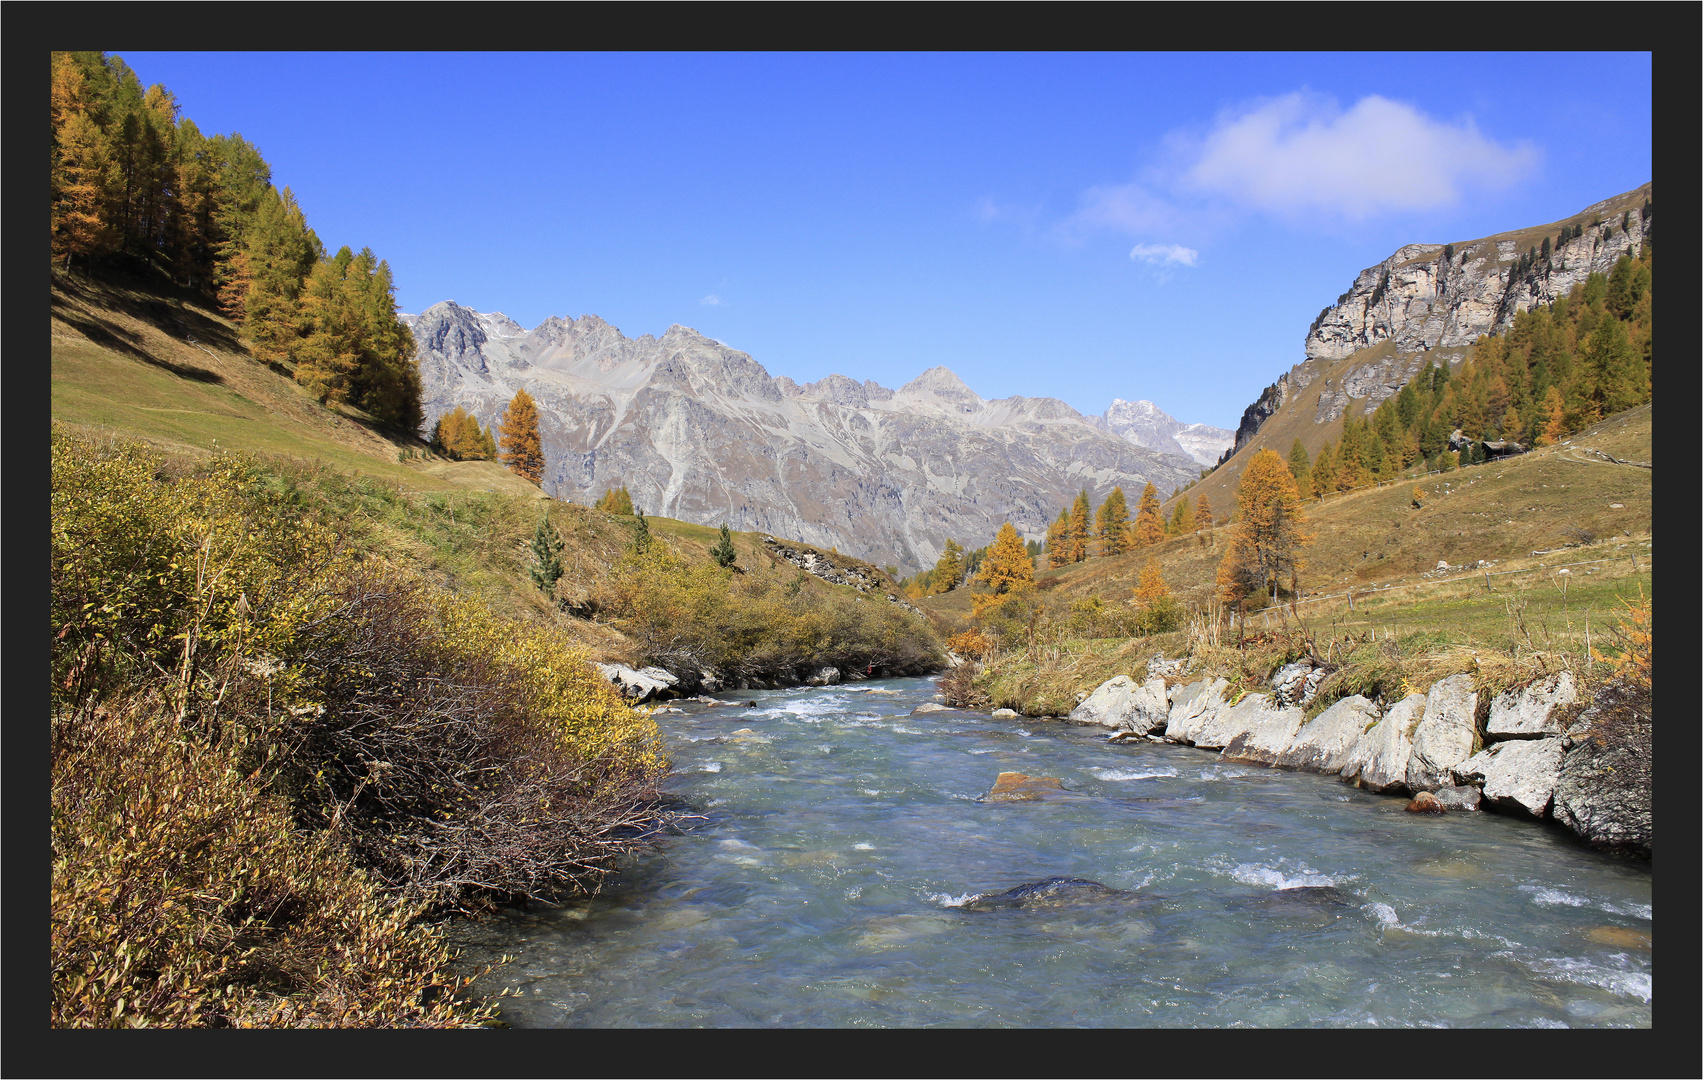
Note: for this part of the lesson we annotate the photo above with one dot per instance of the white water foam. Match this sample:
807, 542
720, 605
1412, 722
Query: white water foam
1556, 898
1135, 774
1277, 877
863, 847
1615, 981
710, 766
948, 900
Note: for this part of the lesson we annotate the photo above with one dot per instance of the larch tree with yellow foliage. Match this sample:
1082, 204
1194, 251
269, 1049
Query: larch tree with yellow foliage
1266, 541
1007, 562
522, 451
1149, 526
1058, 541
1151, 585
1111, 524
949, 570
1081, 514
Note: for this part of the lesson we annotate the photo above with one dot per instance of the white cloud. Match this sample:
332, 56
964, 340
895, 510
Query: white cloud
712, 300
1301, 153
1160, 254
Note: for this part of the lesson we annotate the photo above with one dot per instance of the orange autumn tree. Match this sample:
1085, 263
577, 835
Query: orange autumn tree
522, 451
1266, 540
1149, 527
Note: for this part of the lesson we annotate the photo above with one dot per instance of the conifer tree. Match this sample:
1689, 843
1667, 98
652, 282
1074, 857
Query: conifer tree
1151, 585
723, 552
948, 570
641, 534
1008, 562
1111, 523
546, 551
522, 451
1300, 467
1081, 513
1203, 518
1058, 540
1180, 517
1324, 471
1149, 527
1267, 538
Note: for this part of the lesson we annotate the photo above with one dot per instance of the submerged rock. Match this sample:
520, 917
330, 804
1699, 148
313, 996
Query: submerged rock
1318, 904
1017, 787
928, 707
1533, 711
1050, 892
1426, 803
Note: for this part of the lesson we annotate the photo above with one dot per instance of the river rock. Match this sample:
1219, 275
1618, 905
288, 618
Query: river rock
1159, 668
1269, 731
1006, 714
928, 707
1050, 892
1425, 803
1445, 737
1605, 789
1380, 756
823, 676
1123, 704
1016, 787
1519, 775
1460, 797
1533, 711
1192, 708
1325, 742
645, 684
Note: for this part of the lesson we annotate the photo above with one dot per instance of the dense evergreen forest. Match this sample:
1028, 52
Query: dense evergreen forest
136, 185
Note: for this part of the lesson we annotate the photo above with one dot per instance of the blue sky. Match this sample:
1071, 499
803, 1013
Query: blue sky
1081, 226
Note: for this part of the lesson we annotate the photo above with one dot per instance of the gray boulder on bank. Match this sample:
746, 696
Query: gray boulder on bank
1265, 730
1192, 708
1325, 742
1531, 712
1605, 787
1520, 775
1123, 704
646, 684
1380, 756
824, 676
1445, 736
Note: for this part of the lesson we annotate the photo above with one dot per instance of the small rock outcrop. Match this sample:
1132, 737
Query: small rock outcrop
824, 676
1296, 683
1267, 730
1604, 792
1005, 714
1520, 775
1445, 737
1531, 712
1192, 708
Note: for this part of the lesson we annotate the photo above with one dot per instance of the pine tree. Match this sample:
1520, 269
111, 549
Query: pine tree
949, 570
1111, 523
1058, 540
641, 534
1151, 585
723, 552
1324, 471
546, 551
1149, 526
1203, 516
521, 451
1008, 562
1300, 467
1179, 523
1081, 513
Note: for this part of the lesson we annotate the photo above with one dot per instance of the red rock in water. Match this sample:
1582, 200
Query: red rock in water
1425, 803
1016, 787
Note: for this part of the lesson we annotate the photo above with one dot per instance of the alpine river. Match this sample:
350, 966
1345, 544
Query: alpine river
829, 881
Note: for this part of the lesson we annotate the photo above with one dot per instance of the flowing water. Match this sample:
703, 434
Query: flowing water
830, 876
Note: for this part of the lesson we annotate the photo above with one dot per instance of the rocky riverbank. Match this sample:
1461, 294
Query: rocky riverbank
1531, 752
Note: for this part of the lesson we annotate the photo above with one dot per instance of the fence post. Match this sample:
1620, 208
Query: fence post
1487, 587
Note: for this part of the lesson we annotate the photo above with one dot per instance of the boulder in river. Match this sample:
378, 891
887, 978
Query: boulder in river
1005, 714
1604, 790
823, 676
1532, 711
1459, 797
1445, 736
1324, 743
1050, 892
928, 707
1519, 775
1379, 758
1192, 708
1017, 787
1426, 803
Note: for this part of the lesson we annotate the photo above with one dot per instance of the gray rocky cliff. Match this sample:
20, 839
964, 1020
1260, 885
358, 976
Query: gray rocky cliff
1145, 424
701, 432
1429, 302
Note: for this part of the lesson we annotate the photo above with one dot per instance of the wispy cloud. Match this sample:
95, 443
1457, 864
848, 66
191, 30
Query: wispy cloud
1162, 254
712, 300
1302, 154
